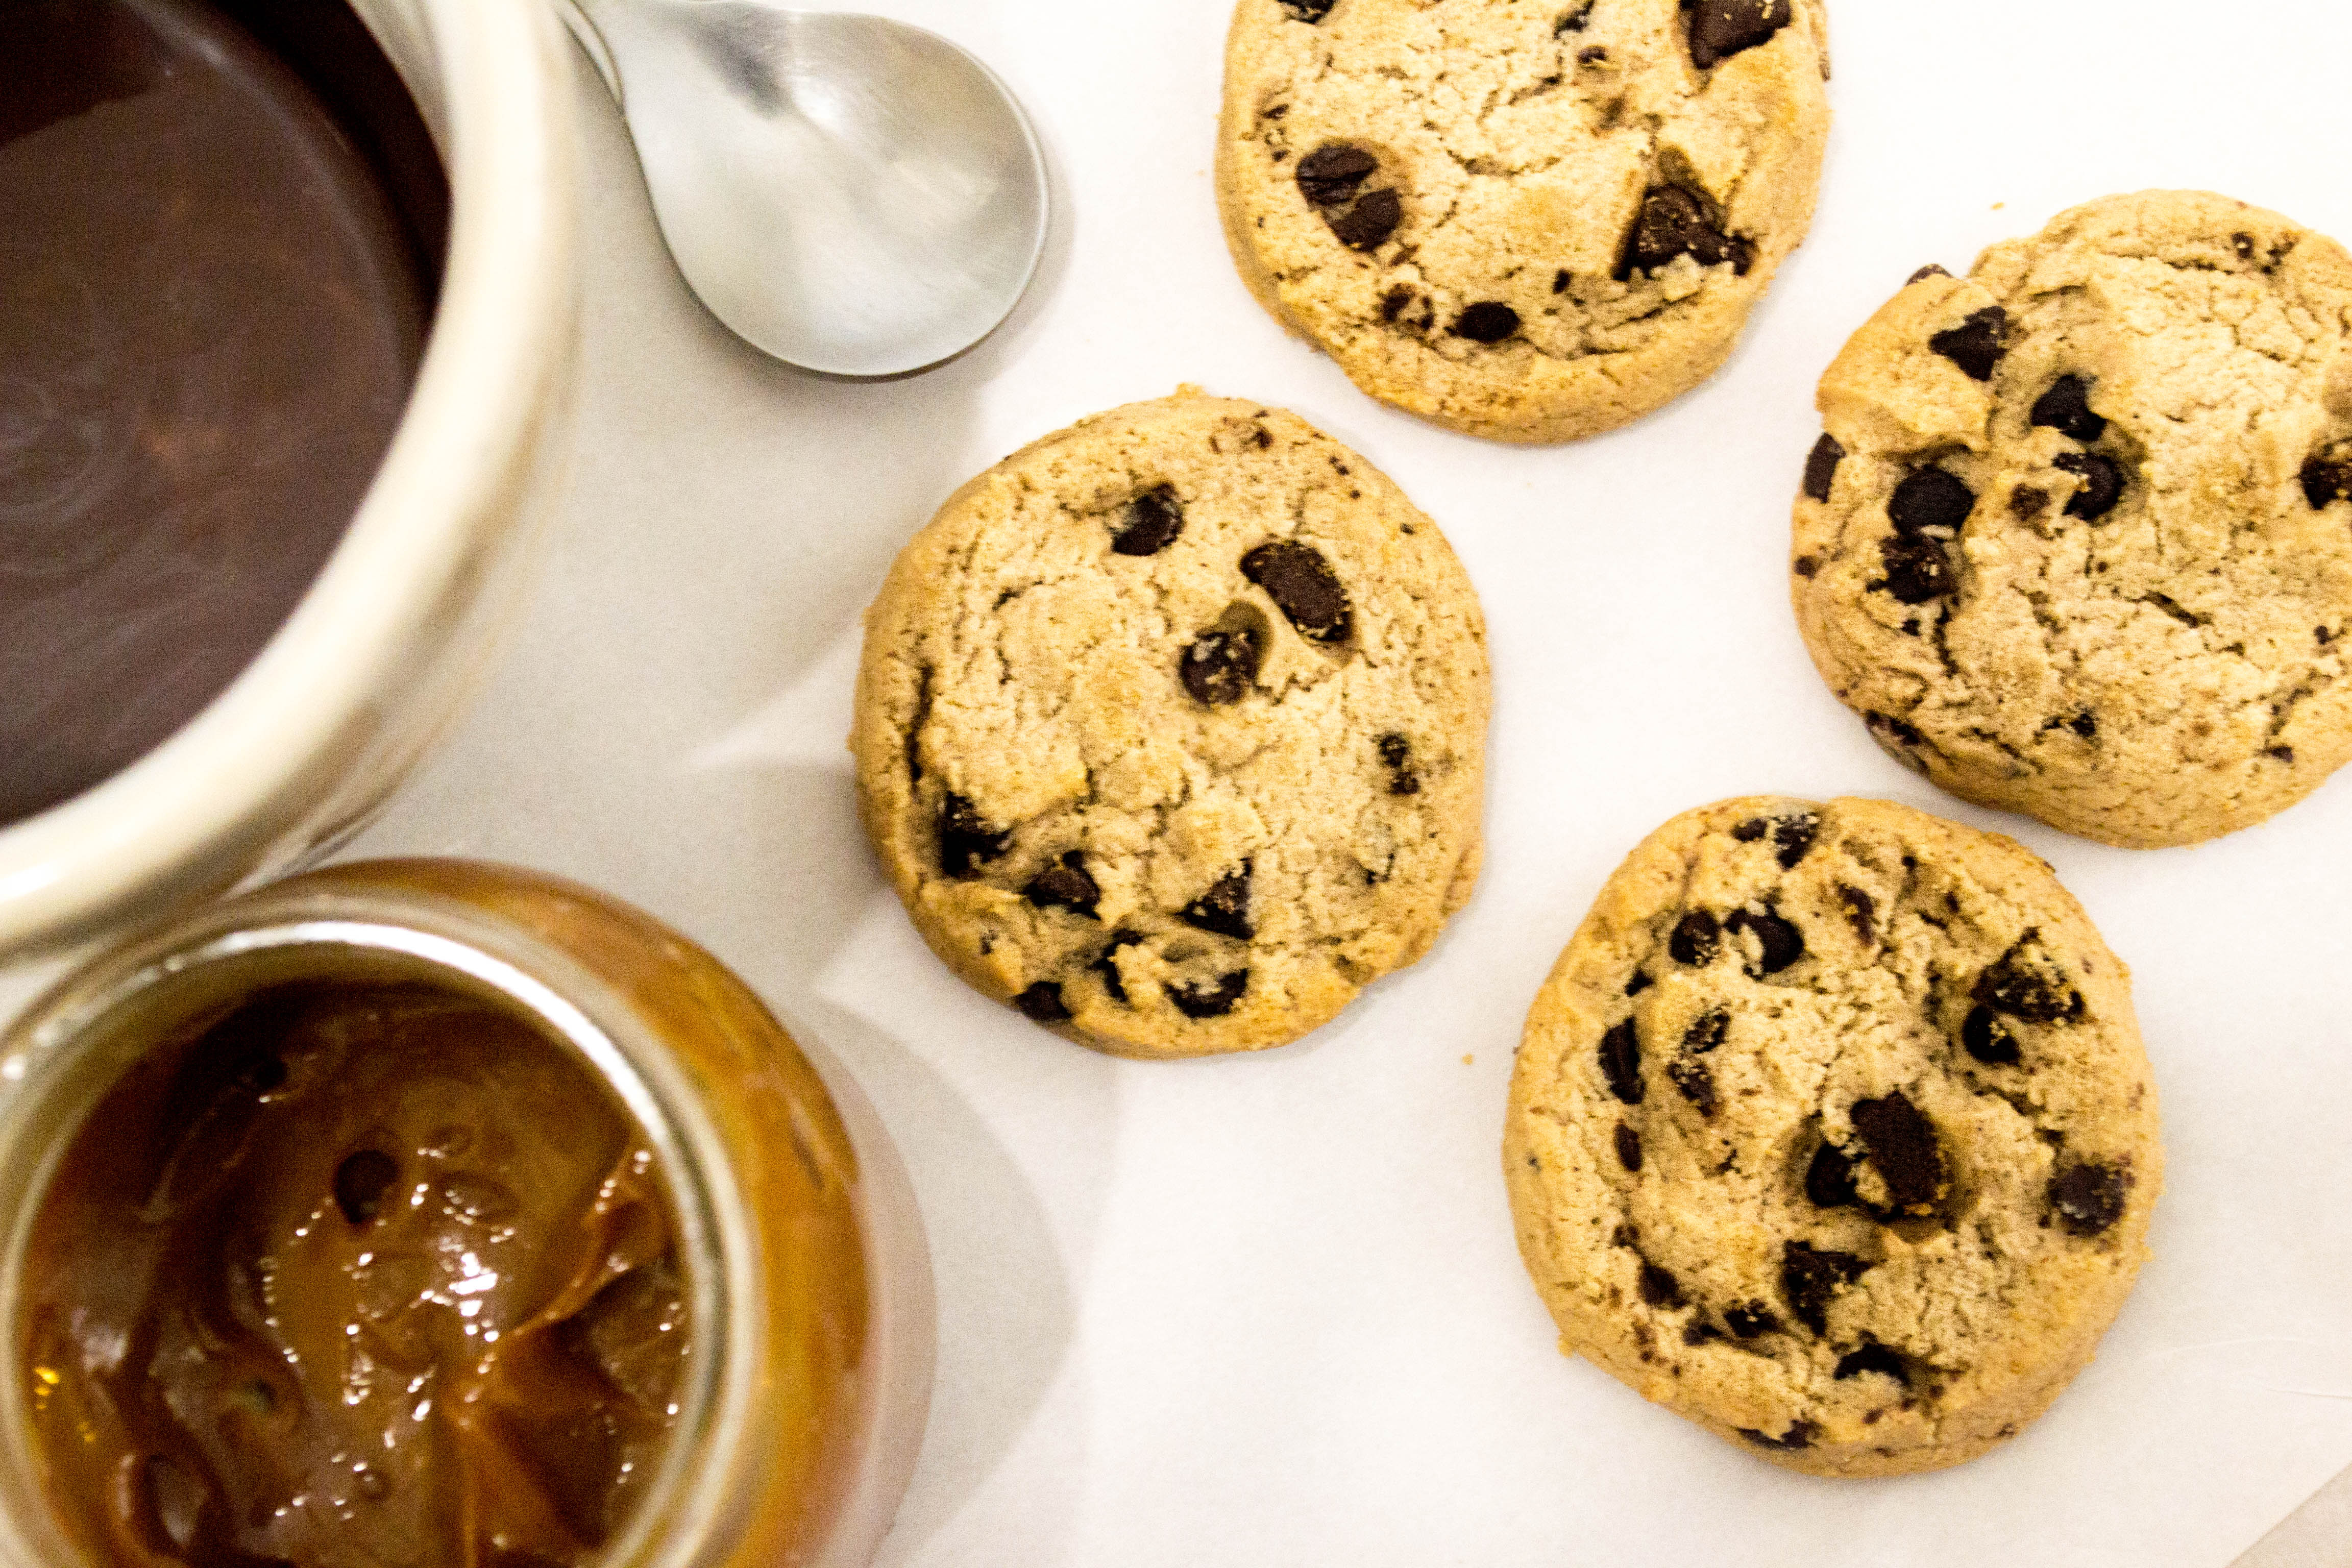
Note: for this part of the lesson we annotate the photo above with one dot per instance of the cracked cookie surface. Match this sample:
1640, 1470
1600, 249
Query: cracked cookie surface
1833, 1133
1170, 728
1530, 222
2077, 539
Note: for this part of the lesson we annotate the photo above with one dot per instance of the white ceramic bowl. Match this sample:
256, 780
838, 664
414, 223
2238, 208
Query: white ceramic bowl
385, 649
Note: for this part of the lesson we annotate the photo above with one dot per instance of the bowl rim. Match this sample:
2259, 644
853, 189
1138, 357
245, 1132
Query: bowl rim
226, 793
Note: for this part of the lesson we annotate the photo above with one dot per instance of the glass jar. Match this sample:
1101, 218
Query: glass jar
808, 1284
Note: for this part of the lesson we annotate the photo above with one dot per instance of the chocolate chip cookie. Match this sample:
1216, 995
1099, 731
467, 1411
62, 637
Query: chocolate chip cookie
1170, 728
1831, 1131
2078, 539
1526, 219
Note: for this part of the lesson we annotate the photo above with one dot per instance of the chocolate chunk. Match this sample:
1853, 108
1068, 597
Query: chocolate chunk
1224, 908
1220, 666
1930, 498
360, 1182
1675, 221
1932, 269
1486, 323
2325, 482
1872, 1357
1901, 1144
1629, 1147
1811, 1276
1893, 732
1782, 943
1042, 1002
1821, 465
1575, 20
1660, 1288
2085, 724
1707, 1032
1396, 752
1829, 1180
1106, 965
2026, 502
1697, 1081
2066, 409
1800, 1435
1722, 29
1975, 344
1917, 570
1695, 940
2009, 986
1806, 566
2103, 484
965, 841
1302, 583
1751, 1319
1309, 10
2281, 753
1369, 221
1792, 836
1621, 1062
1861, 912
1066, 886
1328, 177
1150, 524
2088, 1198
1592, 55
1639, 983
1988, 1040
1209, 998
1699, 1332
1749, 831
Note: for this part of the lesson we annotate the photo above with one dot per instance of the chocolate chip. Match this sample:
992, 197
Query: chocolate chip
1393, 303
1861, 912
1722, 29
1695, 940
1811, 1276
1751, 1319
1561, 280
1224, 908
2088, 1198
1639, 983
1902, 1147
1780, 942
1625, 1235
1987, 1038
1800, 1435
1895, 734
1220, 666
2009, 986
2244, 243
1042, 1002
1309, 10
2103, 484
1696, 1082
1209, 998
1066, 886
2026, 502
1396, 752
1821, 465
1792, 837
1302, 583
1486, 323
1707, 1032
1328, 177
1749, 831
1917, 570
1660, 1288
965, 841
1930, 498
2066, 409
1621, 1062
1872, 1357
2325, 482
360, 1182
1699, 1332
2281, 753
1975, 344
1369, 221
1931, 270
1629, 1147
1575, 20
1829, 1180
2085, 724
1805, 565
1106, 965
1150, 524
1592, 55
1675, 221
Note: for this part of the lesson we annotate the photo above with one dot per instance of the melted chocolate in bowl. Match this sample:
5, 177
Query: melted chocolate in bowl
361, 1274
216, 268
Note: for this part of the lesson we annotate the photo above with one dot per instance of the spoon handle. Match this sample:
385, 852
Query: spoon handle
600, 54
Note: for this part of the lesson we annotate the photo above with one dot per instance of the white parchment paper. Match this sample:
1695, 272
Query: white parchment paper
1267, 1312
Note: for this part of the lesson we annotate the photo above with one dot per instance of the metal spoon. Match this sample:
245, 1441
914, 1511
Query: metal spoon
849, 194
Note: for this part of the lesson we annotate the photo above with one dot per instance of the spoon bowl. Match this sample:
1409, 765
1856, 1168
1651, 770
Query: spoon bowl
849, 194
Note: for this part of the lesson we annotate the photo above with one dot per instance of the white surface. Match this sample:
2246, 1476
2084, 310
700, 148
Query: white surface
1267, 1311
